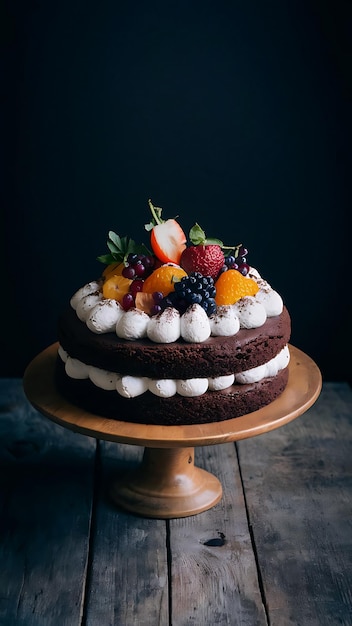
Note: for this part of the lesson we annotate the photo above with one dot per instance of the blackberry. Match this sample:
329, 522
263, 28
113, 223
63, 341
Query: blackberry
193, 289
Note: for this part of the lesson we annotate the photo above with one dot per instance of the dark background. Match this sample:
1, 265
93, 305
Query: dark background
232, 114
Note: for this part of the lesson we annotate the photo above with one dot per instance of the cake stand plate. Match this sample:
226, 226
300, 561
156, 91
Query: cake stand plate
167, 484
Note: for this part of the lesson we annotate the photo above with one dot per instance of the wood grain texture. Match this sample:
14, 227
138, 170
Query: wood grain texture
129, 572
298, 485
46, 493
213, 569
167, 484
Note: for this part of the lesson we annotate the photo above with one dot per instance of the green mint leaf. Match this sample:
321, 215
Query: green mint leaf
120, 248
112, 247
216, 242
107, 259
197, 235
124, 242
115, 239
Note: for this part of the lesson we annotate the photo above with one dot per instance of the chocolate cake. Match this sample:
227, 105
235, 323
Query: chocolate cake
203, 338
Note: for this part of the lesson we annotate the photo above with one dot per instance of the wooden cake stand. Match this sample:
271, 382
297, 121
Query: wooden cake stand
167, 484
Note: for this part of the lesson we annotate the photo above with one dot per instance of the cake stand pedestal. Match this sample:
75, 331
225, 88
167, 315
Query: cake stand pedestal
167, 484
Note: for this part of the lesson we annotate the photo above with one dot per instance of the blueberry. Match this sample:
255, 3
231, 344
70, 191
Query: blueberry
211, 306
195, 298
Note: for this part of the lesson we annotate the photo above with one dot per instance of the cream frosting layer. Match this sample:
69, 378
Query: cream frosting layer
132, 386
102, 315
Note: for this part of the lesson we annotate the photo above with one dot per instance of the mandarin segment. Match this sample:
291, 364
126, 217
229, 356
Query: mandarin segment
232, 286
116, 287
163, 279
114, 269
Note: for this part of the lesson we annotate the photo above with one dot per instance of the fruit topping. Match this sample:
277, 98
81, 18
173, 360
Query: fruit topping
113, 269
237, 260
232, 285
206, 272
208, 260
192, 289
167, 238
204, 256
145, 302
116, 287
163, 279
138, 266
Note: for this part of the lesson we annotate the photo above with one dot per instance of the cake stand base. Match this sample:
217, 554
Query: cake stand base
167, 484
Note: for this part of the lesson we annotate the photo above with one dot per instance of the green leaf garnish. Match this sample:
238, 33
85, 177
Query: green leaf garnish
106, 258
198, 238
115, 239
120, 248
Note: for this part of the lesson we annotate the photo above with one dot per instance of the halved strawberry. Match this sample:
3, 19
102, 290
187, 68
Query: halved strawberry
167, 238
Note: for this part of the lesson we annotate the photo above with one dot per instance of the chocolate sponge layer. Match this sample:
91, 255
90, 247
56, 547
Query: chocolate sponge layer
213, 406
217, 356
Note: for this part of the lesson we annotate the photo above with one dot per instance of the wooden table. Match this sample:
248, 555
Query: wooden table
276, 550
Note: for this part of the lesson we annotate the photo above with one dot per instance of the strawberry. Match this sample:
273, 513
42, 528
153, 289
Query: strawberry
205, 256
167, 238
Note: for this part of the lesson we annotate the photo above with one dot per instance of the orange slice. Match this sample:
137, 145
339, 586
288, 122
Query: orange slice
162, 279
232, 286
114, 269
116, 287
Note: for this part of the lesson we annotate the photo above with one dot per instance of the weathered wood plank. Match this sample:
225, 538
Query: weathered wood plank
214, 575
129, 573
298, 486
45, 503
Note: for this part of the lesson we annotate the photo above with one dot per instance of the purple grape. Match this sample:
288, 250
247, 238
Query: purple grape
139, 269
136, 286
132, 258
128, 272
156, 308
148, 262
127, 301
157, 296
244, 269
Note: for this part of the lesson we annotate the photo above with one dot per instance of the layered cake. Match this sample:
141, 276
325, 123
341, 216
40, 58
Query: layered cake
179, 331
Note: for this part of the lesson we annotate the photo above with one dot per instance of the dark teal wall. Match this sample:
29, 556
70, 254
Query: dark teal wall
232, 114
